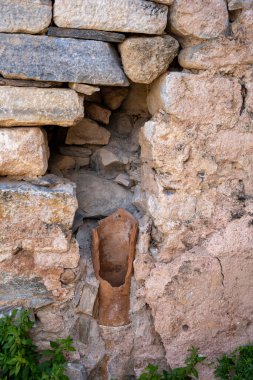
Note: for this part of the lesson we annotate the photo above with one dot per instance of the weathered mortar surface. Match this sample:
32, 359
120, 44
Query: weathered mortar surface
193, 273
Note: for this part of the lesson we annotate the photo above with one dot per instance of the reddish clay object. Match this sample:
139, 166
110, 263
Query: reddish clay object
113, 250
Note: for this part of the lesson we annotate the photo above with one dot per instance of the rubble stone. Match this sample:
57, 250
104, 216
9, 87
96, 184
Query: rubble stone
145, 58
23, 151
88, 132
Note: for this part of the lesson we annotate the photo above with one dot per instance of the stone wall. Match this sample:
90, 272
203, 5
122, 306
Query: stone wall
148, 108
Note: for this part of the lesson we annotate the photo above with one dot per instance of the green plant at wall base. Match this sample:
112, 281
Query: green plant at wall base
19, 357
187, 372
236, 366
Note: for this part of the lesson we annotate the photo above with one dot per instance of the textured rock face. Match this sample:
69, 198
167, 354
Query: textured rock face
137, 16
39, 106
87, 132
26, 16
197, 99
144, 59
60, 60
100, 197
36, 217
202, 19
215, 54
24, 151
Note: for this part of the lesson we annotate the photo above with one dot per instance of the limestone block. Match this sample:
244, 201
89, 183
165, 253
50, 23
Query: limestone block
136, 16
96, 112
215, 54
201, 19
87, 132
60, 60
35, 217
23, 151
39, 106
26, 16
197, 98
107, 162
145, 58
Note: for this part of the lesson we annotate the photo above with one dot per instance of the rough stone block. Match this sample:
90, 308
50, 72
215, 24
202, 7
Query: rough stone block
23, 151
136, 16
39, 106
87, 132
145, 58
36, 217
84, 88
60, 59
98, 113
26, 16
215, 54
198, 18
196, 98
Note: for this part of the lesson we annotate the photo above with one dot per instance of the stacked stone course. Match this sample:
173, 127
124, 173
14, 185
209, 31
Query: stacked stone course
84, 85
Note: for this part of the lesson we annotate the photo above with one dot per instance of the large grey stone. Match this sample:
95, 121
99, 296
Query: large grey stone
35, 217
60, 59
30, 106
23, 151
137, 16
26, 16
20, 288
100, 197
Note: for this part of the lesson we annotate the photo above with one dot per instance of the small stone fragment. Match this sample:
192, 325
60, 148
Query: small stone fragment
196, 98
23, 151
199, 18
30, 106
107, 162
87, 132
113, 96
98, 113
136, 16
85, 89
26, 16
61, 162
60, 60
124, 180
166, 2
82, 161
88, 300
146, 58
75, 151
68, 276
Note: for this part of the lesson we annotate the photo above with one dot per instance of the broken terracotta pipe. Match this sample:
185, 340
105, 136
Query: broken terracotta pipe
113, 250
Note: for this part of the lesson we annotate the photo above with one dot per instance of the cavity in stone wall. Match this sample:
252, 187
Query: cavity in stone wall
118, 115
